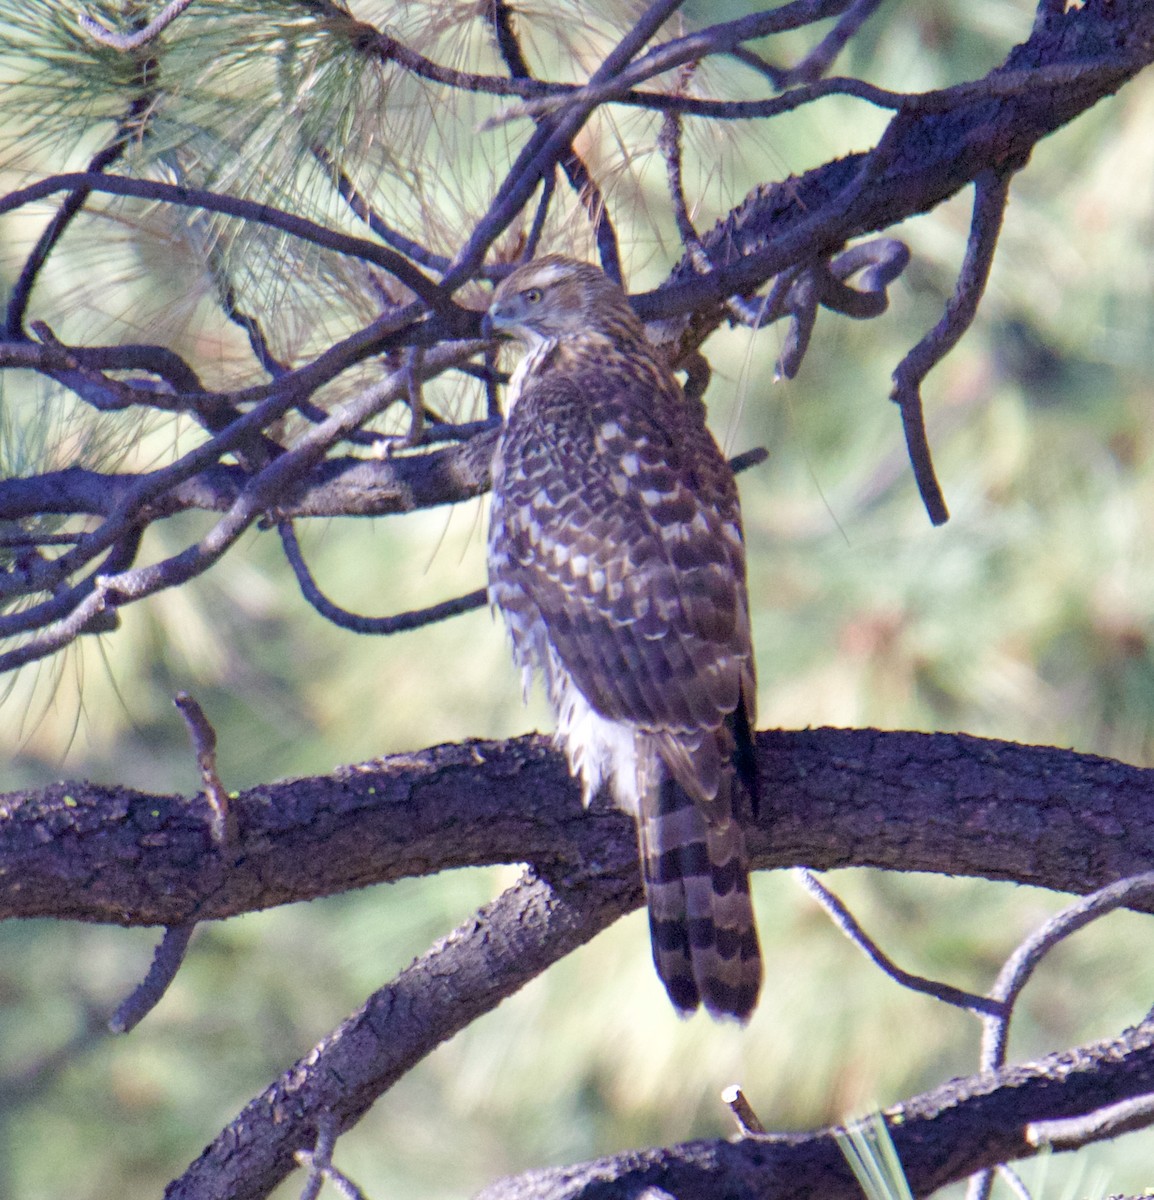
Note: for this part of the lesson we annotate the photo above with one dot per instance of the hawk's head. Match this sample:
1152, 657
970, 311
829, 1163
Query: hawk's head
557, 297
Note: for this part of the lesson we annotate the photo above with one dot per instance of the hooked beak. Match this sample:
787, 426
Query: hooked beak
494, 324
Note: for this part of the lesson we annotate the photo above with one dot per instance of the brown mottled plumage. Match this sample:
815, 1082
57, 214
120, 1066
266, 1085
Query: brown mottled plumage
616, 559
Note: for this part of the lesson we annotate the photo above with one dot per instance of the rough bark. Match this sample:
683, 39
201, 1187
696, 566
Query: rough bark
940, 1137
942, 802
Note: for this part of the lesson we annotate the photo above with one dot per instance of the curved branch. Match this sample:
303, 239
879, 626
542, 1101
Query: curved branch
940, 1137
397, 623
495, 952
945, 803
991, 193
588, 876
86, 182
934, 146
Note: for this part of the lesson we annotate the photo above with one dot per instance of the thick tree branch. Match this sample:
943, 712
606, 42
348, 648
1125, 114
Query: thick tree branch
940, 1137
945, 803
490, 956
934, 146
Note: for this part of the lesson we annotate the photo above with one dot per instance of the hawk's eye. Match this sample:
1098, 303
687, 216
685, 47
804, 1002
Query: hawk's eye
532, 295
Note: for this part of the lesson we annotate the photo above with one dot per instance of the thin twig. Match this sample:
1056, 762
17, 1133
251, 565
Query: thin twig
548, 186
545, 148
360, 206
669, 144
96, 388
203, 737
133, 41
991, 191
319, 1163
320, 1158
582, 182
1014, 1182
226, 292
71, 206
817, 61
1019, 967
846, 922
411, 375
166, 961
747, 1120
1071, 1133
32, 538
398, 623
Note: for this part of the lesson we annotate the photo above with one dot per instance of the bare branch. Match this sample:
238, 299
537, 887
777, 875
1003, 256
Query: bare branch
73, 203
203, 738
998, 810
747, 1120
490, 956
399, 623
235, 206
133, 41
1021, 965
991, 191
940, 1137
817, 61
148, 993
548, 146
1071, 1133
361, 207
846, 922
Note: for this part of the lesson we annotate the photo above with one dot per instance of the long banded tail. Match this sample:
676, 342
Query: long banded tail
701, 920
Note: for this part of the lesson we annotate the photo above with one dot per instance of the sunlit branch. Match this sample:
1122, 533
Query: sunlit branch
1072, 1133
848, 924
492, 955
133, 41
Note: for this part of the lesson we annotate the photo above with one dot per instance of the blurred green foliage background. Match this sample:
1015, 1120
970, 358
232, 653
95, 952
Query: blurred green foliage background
1027, 617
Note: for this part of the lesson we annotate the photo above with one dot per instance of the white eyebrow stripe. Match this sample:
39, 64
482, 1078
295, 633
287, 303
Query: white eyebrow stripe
545, 275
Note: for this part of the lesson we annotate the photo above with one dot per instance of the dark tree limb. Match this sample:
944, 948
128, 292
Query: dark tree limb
397, 623
944, 803
166, 961
935, 145
991, 192
940, 1137
496, 951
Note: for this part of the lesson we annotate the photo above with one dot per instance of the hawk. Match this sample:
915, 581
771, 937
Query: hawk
616, 559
